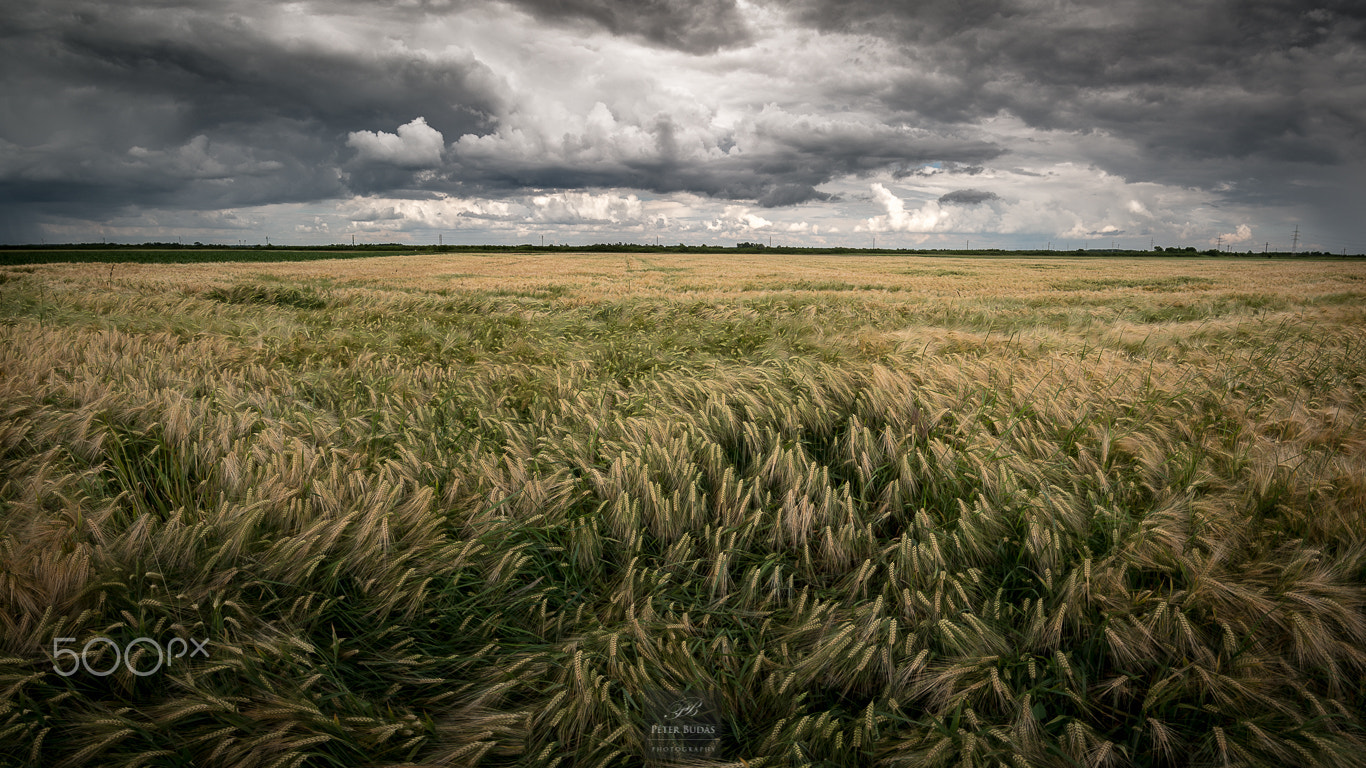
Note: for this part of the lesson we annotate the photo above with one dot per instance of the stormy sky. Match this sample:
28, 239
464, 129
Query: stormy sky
910, 123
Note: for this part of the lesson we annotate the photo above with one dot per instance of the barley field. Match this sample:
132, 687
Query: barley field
491, 510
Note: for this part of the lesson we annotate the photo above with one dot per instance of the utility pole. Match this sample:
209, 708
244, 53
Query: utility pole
1295, 243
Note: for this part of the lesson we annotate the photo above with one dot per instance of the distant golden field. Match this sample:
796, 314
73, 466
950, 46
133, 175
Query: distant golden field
537, 509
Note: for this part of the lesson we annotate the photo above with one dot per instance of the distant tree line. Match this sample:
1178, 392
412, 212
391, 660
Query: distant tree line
160, 252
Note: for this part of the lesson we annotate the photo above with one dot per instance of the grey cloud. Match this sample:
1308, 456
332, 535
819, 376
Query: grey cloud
1276, 82
377, 214
110, 109
938, 168
778, 161
694, 26
200, 107
790, 194
968, 197
919, 19
691, 26
225, 76
861, 148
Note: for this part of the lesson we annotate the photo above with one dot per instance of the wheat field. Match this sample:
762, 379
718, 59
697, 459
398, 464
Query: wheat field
480, 510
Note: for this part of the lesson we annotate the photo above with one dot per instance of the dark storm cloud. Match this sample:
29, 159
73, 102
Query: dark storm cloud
206, 105
203, 105
694, 26
106, 108
1265, 82
223, 76
967, 197
1210, 79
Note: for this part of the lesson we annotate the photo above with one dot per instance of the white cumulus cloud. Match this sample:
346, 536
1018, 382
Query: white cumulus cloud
576, 207
1241, 235
930, 217
416, 145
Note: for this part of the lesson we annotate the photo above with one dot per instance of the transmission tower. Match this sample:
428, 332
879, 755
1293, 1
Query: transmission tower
1294, 243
